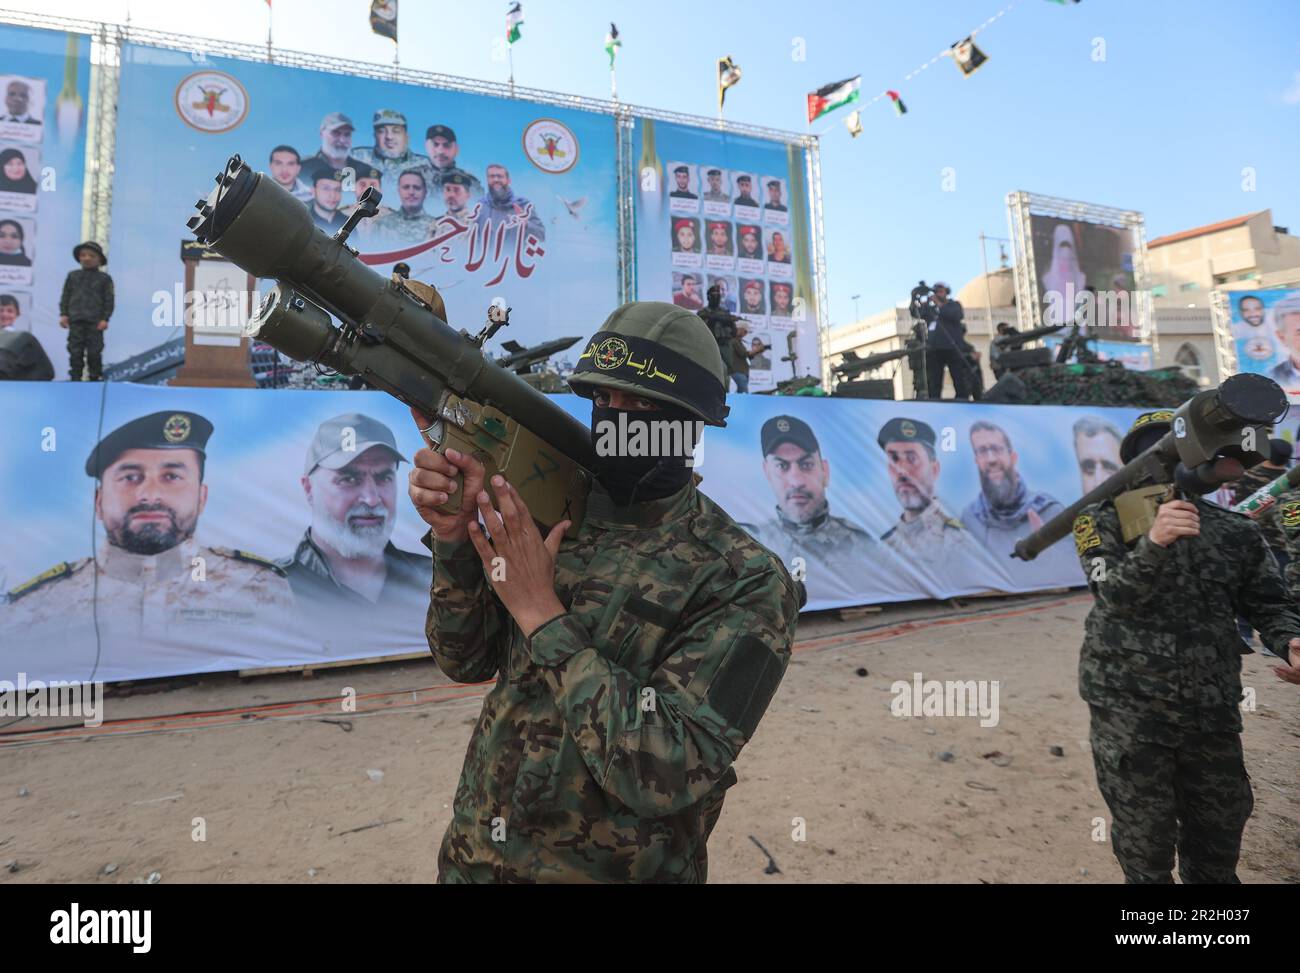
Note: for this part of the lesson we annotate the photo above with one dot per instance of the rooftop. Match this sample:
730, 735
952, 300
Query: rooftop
1202, 230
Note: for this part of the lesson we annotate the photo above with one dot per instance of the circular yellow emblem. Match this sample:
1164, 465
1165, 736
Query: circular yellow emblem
1290, 514
177, 429
1164, 415
907, 429
610, 354
1082, 526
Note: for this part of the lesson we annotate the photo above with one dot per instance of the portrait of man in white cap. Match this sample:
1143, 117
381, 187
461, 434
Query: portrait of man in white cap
346, 560
335, 152
1286, 319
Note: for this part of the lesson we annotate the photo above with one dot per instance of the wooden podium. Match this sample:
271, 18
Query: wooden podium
216, 351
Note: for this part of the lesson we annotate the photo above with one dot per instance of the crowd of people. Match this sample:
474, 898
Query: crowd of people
420, 190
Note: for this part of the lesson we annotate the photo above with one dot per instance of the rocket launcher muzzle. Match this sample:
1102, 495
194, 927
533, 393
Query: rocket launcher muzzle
392, 335
1223, 422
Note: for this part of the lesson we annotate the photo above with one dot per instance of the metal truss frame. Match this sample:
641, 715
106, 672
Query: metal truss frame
1225, 346
1022, 205
625, 125
812, 153
106, 61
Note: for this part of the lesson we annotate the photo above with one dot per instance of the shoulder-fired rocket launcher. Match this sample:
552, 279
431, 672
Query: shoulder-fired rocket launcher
394, 335
1213, 425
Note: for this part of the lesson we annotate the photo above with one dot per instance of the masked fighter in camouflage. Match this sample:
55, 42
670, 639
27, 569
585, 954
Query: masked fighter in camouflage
632, 662
1160, 670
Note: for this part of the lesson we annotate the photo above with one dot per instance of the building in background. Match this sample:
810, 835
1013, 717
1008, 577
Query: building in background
1247, 250
1184, 268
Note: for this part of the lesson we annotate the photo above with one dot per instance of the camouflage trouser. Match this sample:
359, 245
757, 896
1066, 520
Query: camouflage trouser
85, 345
1195, 797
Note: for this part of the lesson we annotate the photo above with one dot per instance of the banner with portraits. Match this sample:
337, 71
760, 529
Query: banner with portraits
1266, 332
729, 211
483, 197
186, 530
45, 82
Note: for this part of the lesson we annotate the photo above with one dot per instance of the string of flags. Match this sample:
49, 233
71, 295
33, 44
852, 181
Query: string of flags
965, 54
828, 97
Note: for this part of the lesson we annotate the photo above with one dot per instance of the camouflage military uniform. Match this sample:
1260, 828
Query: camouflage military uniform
830, 547
1161, 671
143, 606
87, 299
828, 540
576, 771
401, 227
1252, 480
392, 168
1288, 518
934, 538
466, 214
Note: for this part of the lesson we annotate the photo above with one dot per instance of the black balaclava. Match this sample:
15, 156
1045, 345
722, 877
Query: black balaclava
632, 478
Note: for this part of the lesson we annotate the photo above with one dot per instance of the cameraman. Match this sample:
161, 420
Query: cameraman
722, 323
945, 347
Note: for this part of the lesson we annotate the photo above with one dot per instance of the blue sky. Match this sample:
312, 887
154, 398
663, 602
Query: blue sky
1190, 93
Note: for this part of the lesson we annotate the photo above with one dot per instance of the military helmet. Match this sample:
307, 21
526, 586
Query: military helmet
659, 351
1161, 420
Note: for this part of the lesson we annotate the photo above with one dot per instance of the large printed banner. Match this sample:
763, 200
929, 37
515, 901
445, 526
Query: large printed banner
483, 197
183, 530
1266, 330
733, 211
44, 78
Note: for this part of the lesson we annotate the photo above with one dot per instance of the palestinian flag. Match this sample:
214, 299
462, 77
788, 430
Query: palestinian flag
612, 44
898, 102
514, 19
829, 97
383, 18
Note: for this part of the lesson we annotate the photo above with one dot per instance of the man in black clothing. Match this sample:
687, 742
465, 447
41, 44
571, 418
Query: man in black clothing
945, 347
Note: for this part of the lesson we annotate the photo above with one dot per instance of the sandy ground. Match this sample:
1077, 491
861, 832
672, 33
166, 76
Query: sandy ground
306, 793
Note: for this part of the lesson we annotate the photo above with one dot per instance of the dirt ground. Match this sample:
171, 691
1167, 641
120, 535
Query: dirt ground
294, 791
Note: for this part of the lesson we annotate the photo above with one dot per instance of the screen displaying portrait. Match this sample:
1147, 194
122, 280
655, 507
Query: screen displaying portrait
1085, 273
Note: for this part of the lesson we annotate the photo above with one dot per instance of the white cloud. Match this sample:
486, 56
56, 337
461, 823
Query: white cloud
1292, 94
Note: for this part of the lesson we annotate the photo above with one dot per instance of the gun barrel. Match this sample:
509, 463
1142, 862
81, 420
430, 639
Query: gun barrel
1208, 424
391, 339
1040, 540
